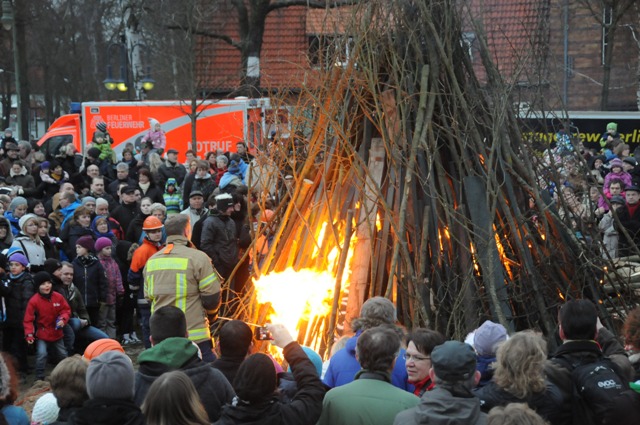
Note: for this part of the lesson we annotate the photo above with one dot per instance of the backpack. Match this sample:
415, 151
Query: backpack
596, 386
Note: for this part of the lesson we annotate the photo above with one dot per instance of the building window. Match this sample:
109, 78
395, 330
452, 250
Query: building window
329, 50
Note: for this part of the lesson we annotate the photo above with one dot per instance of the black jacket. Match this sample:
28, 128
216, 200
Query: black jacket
169, 170
16, 292
547, 404
228, 366
220, 242
212, 387
90, 279
108, 412
583, 352
69, 234
153, 192
124, 214
305, 408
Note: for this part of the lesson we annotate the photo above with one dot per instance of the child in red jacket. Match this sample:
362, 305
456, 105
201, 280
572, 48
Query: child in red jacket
51, 312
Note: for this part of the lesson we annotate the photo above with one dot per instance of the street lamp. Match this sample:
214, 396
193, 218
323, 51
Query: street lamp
7, 15
122, 84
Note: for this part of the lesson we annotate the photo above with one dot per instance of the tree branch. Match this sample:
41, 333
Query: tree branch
207, 34
312, 4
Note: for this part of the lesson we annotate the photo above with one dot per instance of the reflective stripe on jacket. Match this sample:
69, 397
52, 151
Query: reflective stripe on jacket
180, 276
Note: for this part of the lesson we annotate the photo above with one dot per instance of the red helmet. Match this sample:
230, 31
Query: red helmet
152, 223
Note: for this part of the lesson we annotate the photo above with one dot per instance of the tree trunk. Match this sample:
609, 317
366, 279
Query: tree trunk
606, 68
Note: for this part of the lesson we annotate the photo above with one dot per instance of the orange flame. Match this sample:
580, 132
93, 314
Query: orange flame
296, 295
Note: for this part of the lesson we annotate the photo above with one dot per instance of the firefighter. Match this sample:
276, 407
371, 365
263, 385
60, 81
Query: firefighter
183, 276
151, 243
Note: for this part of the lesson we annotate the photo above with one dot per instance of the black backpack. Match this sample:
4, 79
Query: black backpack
595, 388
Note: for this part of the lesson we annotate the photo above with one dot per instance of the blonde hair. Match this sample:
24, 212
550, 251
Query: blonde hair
520, 364
172, 400
155, 161
514, 414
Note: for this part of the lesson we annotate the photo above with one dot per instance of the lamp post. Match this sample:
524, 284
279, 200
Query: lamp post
8, 23
141, 85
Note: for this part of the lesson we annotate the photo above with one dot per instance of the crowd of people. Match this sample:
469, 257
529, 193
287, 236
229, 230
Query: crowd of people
597, 191
379, 376
92, 242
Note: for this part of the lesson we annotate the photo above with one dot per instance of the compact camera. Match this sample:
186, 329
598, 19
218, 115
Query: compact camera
263, 334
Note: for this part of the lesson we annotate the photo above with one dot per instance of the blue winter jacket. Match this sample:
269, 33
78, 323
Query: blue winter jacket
344, 366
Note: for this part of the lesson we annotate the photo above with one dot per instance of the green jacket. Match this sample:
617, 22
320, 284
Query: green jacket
172, 352
370, 399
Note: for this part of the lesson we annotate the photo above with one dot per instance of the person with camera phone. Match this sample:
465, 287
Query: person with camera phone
255, 384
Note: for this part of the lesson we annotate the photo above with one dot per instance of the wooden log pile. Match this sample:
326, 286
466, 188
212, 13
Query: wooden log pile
449, 219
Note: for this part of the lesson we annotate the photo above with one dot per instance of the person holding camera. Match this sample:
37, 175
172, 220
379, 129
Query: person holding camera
256, 399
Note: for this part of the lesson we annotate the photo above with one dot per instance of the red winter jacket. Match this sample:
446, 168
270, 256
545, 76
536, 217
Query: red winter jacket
46, 311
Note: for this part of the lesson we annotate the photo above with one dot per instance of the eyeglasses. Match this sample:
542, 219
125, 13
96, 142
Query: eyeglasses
415, 358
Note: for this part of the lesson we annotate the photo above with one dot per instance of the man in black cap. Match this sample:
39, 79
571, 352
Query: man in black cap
196, 209
453, 369
219, 240
629, 216
128, 208
171, 168
630, 165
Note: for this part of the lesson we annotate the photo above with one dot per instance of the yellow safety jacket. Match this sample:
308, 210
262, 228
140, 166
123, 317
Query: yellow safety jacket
184, 277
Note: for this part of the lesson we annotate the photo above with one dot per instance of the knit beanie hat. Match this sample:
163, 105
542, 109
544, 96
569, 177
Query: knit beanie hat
45, 165
315, 359
23, 220
101, 126
45, 411
86, 242
17, 201
487, 337
102, 243
111, 376
615, 162
101, 346
223, 202
40, 278
51, 265
612, 126
256, 378
88, 199
19, 258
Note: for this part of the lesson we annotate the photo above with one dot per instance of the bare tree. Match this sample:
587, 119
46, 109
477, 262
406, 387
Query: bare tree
251, 17
608, 14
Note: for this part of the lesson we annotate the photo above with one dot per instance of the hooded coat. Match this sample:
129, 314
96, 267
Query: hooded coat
8, 239
102, 411
305, 408
180, 354
443, 408
219, 241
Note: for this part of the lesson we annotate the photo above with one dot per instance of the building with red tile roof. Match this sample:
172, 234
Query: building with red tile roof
549, 51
